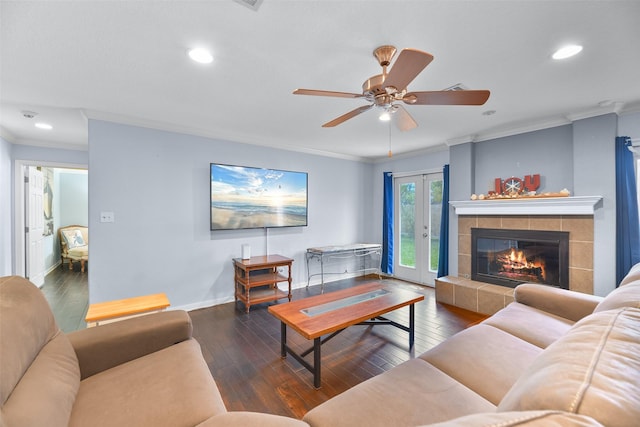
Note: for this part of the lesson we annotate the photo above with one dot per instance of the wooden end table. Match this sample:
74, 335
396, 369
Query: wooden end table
262, 285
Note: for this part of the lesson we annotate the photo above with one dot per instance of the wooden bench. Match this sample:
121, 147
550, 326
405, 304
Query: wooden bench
112, 311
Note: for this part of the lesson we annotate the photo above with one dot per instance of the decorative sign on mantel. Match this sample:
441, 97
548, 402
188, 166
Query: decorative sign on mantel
516, 188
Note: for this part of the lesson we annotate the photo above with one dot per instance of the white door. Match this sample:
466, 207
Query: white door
34, 211
417, 212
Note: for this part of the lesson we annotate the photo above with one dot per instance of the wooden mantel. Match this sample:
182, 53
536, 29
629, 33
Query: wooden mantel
579, 205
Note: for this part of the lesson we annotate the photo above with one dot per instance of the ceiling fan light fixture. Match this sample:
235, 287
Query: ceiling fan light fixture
384, 116
201, 55
567, 51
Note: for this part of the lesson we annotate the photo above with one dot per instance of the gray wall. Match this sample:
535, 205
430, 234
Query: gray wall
547, 152
157, 185
49, 155
629, 125
73, 197
594, 174
6, 209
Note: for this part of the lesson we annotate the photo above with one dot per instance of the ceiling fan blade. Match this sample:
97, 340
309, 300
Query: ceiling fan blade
404, 121
409, 64
326, 93
345, 117
447, 97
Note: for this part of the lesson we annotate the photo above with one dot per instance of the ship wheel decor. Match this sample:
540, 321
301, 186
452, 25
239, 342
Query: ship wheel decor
386, 91
512, 186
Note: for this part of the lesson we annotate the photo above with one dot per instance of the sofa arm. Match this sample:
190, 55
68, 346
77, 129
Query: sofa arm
570, 305
253, 419
106, 346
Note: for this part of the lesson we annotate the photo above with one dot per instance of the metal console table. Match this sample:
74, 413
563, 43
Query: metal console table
357, 250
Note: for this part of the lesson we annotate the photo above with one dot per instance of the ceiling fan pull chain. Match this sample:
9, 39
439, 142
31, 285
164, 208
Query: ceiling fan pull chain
389, 125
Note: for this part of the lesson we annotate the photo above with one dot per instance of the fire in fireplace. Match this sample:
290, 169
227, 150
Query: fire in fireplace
510, 257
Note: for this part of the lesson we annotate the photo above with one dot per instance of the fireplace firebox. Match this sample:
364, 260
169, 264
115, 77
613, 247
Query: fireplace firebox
510, 257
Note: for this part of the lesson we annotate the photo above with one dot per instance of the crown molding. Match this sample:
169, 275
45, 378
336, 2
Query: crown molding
614, 107
526, 128
619, 108
236, 138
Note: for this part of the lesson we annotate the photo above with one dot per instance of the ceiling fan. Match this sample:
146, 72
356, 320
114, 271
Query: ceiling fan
386, 90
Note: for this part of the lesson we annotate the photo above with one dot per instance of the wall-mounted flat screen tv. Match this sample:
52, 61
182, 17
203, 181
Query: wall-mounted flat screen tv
248, 197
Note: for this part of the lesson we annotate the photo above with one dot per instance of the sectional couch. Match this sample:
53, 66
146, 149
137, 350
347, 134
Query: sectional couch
551, 358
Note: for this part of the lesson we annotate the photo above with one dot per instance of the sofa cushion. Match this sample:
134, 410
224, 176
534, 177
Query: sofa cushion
570, 305
522, 419
593, 370
79, 252
470, 354
530, 324
73, 237
412, 393
172, 386
39, 369
623, 296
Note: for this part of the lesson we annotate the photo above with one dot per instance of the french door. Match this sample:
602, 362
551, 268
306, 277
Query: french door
417, 213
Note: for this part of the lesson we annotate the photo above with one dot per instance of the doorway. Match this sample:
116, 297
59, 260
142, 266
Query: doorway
417, 212
27, 211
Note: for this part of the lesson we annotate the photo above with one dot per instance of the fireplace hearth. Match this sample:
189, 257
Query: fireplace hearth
510, 257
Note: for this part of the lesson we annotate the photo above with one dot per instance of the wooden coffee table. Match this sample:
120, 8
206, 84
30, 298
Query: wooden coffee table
331, 313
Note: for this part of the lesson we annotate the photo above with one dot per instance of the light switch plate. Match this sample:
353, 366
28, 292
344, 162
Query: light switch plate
107, 217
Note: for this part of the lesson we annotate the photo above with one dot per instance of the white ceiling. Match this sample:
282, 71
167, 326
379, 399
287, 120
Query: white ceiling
126, 61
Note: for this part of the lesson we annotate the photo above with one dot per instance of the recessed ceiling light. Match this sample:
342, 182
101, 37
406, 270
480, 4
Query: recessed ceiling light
567, 51
201, 55
45, 126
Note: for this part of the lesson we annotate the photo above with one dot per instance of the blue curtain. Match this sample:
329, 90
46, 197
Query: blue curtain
627, 223
443, 255
387, 224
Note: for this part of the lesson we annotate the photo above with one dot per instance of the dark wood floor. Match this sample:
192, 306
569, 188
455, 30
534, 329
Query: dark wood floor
243, 350
68, 295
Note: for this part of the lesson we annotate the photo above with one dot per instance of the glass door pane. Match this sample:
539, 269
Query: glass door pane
408, 224
435, 216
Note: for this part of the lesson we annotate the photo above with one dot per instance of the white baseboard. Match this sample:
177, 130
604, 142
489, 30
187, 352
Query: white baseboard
231, 298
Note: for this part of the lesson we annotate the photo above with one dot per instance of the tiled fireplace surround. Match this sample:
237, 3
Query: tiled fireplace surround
461, 291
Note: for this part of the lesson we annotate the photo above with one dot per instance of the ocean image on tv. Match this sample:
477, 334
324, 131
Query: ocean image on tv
245, 197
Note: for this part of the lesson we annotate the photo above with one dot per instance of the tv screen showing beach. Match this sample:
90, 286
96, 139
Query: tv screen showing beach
247, 197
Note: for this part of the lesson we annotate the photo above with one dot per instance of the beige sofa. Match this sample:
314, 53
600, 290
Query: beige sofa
145, 371
551, 358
